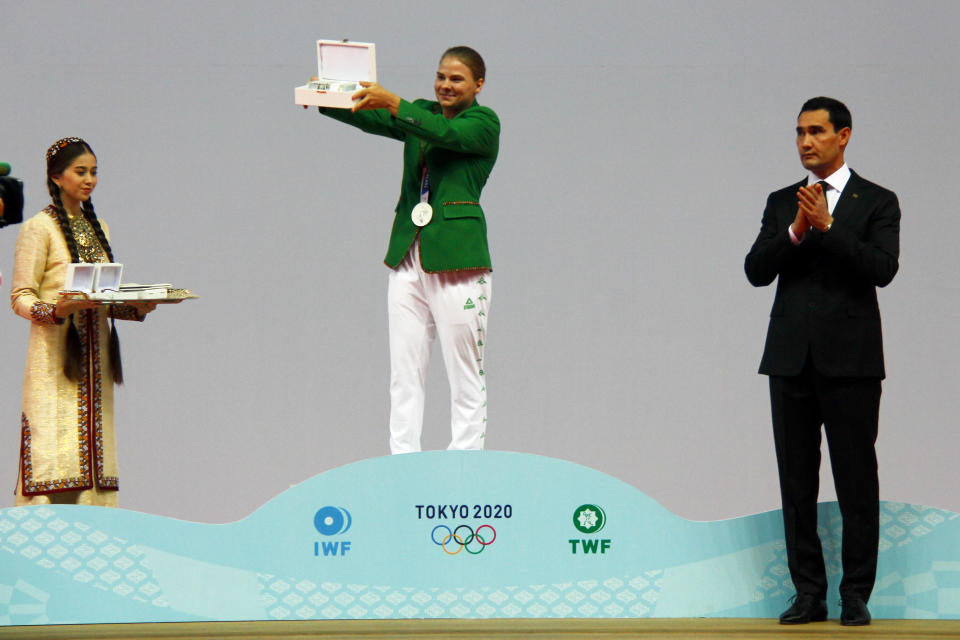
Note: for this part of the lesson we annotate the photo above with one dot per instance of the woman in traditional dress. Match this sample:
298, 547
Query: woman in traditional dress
67, 444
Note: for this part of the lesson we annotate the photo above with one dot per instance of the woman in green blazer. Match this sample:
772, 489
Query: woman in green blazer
440, 283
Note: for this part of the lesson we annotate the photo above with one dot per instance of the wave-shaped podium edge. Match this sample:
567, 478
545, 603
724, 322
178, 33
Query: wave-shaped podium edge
447, 535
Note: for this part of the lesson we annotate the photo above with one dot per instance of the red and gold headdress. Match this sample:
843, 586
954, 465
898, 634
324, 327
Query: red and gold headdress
62, 143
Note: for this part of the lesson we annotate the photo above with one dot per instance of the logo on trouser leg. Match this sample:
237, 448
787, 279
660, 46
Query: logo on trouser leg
469, 304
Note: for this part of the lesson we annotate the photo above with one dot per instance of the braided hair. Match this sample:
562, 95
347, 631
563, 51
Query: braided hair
60, 156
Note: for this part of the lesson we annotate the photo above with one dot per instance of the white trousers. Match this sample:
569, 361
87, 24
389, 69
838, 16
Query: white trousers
452, 306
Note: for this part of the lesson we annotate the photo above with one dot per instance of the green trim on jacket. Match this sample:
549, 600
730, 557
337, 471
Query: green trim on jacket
460, 153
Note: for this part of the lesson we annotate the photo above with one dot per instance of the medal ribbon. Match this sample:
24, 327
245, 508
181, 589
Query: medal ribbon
424, 185
424, 177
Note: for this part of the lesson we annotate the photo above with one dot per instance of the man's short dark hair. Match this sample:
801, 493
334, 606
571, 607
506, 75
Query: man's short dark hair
839, 114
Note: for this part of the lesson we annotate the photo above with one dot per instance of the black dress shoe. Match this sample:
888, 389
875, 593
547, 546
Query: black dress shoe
806, 608
854, 613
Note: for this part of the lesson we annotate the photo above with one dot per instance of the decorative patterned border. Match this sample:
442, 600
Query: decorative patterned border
614, 597
89, 424
31, 488
94, 402
83, 398
44, 313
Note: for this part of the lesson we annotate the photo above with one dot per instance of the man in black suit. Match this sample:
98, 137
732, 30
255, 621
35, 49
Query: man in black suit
829, 241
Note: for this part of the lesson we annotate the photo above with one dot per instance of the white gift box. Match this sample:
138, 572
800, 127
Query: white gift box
93, 277
108, 277
341, 66
135, 292
80, 277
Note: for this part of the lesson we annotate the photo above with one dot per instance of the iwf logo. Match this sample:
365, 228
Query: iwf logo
463, 538
332, 521
589, 519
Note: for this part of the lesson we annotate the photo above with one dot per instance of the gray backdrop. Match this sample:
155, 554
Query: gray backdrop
639, 142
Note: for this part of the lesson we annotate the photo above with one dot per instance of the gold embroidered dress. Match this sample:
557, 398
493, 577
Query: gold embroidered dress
67, 446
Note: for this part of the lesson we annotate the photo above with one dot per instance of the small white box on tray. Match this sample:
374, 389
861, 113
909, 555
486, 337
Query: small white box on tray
132, 291
340, 68
108, 277
93, 277
128, 296
80, 277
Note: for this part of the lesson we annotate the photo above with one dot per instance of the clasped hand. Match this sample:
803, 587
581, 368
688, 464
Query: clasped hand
811, 210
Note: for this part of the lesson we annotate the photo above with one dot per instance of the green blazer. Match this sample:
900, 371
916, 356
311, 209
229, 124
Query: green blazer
459, 153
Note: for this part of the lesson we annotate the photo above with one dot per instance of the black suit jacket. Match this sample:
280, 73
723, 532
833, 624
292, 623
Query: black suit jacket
826, 301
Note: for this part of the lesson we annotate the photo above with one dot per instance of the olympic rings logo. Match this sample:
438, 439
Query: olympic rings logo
464, 538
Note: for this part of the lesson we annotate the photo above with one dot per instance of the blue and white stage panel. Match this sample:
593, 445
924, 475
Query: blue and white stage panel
447, 535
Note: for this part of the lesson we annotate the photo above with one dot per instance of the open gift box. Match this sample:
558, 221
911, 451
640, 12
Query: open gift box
341, 66
95, 277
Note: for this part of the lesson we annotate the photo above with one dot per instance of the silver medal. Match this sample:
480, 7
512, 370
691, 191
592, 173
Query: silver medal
422, 214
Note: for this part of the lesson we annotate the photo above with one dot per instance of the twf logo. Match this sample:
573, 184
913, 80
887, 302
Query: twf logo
463, 538
332, 521
589, 519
